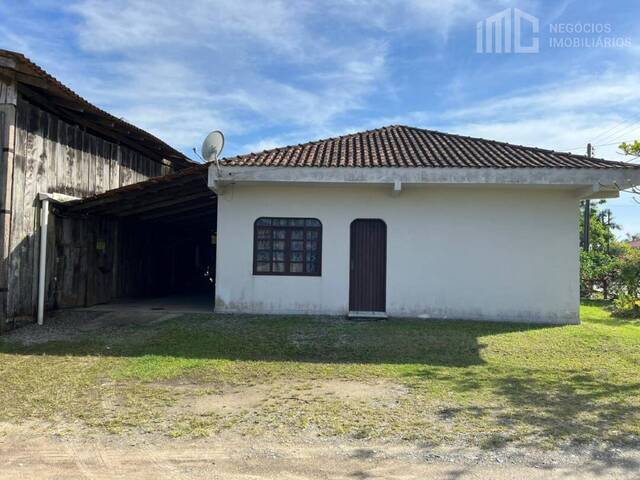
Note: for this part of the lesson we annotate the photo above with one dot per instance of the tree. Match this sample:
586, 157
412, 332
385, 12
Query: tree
631, 148
599, 264
602, 225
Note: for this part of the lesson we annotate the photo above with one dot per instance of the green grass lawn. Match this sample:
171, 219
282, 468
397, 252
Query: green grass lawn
472, 383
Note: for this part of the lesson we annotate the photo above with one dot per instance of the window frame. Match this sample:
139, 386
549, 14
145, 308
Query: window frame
287, 249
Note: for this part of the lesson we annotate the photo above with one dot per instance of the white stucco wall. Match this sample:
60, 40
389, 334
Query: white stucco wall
452, 252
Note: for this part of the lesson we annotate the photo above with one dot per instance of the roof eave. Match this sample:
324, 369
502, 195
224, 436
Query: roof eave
589, 181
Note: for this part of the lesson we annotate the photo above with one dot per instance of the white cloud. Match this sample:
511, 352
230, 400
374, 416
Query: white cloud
607, 91
553, 115
439, 17
251, 65
265, 144
137, 24
180, 70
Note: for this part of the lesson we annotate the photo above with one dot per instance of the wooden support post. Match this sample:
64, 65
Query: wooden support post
8, 101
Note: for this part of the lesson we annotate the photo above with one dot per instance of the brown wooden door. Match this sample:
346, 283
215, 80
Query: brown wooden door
368, 266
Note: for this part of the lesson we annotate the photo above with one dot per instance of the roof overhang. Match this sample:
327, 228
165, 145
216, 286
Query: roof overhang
587, 182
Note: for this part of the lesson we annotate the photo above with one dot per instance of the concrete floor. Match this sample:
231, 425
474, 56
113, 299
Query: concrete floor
185, 303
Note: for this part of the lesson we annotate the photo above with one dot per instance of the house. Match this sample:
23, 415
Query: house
396, 221
634, 243
407, 222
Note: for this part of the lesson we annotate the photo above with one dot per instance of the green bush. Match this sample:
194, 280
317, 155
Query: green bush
627, 305
629, 271
598, 272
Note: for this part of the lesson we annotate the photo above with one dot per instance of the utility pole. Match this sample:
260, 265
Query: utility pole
608, 232
586, 223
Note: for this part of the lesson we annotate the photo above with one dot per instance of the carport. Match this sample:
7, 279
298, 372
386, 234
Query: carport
149, 240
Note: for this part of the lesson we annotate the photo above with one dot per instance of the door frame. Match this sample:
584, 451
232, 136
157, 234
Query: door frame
372, 312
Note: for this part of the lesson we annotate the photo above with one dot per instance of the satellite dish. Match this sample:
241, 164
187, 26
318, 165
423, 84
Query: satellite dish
212, 146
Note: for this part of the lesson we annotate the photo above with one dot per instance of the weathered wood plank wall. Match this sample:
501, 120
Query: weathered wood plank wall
8, 92
95, 260
8, 100
81, 261
56, 157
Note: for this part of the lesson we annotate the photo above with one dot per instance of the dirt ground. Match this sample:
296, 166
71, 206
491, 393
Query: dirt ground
28, 452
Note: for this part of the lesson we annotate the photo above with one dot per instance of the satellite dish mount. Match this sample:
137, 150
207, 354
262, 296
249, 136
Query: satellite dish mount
212, 147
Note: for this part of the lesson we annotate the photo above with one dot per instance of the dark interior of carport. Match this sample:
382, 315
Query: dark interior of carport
150, 239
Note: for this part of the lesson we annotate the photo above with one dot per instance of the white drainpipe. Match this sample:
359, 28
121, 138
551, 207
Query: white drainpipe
42, 273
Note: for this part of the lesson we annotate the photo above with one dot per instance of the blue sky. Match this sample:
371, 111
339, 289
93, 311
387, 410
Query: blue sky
272, 73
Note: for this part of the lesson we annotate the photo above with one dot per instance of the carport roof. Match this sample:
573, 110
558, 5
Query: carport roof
179, 197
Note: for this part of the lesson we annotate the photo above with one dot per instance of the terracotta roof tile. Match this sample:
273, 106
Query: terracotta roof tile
401, 146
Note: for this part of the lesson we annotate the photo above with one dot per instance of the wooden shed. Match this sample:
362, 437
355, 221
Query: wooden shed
114, 189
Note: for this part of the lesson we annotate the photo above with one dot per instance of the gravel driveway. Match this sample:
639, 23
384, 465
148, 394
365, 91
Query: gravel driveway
24, 455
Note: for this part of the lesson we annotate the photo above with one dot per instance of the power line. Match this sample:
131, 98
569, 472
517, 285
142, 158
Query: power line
599, 145
628, 130
609, 144
607, 133
615, 132
609, 130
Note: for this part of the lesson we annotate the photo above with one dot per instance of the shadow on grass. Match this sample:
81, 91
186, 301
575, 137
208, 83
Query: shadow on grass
601, 311
572, 408
598, 462
616, 322
551, 406
595, 303
295, 339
